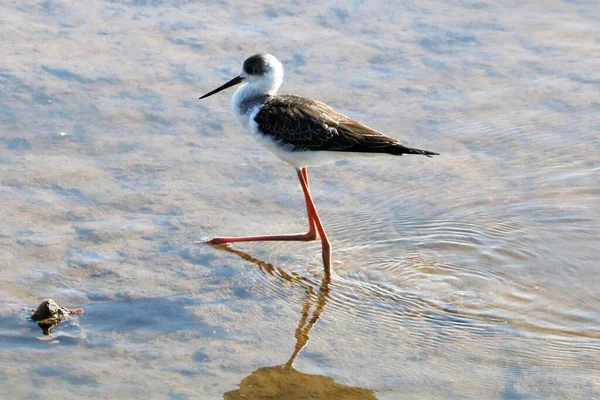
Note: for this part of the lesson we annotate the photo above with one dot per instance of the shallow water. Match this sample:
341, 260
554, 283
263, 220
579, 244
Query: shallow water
470, 275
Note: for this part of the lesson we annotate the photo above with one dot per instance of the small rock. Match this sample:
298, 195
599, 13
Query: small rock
49, 314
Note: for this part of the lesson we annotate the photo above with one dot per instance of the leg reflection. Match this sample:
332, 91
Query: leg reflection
306, 321
305, 325
284, 381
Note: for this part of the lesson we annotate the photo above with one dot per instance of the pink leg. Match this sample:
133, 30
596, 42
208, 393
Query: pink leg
325, 245
307, 199
310, 235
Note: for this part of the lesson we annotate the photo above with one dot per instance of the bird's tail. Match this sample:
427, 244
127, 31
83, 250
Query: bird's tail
398, 149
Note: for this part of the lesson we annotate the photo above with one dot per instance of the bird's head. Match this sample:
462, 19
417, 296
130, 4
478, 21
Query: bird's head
262, 72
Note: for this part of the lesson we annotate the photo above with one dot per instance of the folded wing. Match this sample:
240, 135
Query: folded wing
308, 125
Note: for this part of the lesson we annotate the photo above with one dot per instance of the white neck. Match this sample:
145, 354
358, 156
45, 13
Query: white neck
256, 88
243, 108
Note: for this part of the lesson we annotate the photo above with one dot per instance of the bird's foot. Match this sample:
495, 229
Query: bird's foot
216, 241
209, 241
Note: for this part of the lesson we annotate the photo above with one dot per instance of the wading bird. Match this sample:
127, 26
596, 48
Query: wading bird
301, 132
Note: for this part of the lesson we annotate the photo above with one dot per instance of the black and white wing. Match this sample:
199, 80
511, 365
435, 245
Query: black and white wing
307, 125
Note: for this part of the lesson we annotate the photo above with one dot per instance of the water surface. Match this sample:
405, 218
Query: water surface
471, 275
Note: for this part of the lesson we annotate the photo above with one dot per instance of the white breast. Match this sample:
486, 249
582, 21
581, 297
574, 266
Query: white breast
236, 101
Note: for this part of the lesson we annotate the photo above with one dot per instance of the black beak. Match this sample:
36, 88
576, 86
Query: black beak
233, 82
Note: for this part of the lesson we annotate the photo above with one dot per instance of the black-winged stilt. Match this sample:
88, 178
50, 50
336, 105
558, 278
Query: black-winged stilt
302, 132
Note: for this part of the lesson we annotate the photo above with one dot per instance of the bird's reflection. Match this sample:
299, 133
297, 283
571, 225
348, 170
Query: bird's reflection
306, 323
284, 381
